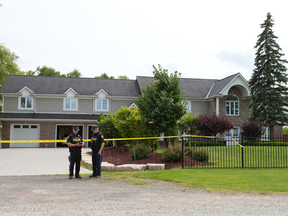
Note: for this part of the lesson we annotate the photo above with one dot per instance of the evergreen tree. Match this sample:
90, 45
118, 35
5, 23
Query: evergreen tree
268, 83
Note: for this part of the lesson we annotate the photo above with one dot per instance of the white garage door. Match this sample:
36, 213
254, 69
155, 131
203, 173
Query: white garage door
25, 132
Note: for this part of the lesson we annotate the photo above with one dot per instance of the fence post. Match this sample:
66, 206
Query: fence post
182, 150
242, 150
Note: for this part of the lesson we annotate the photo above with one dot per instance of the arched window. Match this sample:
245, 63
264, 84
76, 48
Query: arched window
232, 105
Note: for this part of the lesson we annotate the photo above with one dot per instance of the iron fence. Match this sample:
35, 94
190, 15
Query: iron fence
235, 152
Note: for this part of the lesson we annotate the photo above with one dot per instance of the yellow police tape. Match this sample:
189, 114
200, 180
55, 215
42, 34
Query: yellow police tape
139, 138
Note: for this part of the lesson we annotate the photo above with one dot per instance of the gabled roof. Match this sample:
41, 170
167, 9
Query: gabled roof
192, 88
59, 85
196, 88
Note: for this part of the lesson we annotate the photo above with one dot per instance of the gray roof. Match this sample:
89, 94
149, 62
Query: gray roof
59, 85
194, 88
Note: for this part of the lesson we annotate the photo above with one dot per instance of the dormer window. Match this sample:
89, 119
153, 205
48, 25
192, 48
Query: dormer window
101, 105
26, 102
70, 102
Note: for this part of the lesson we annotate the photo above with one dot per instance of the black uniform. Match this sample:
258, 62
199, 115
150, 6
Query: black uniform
96, 141
75, 154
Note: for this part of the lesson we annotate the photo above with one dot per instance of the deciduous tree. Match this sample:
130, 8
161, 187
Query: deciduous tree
161, 104
210, 125
74, 73
48, 71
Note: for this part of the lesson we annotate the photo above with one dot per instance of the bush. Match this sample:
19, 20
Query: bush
201, 143
197, 154
141, 151
252, 128
265, 144
200, 155
172, 153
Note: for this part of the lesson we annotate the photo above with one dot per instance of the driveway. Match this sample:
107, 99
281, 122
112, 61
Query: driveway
35, 161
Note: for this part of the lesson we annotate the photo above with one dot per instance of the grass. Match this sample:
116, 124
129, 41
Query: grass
262, 181
254, 156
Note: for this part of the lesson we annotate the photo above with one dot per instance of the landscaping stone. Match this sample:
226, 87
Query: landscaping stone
130, 167
152, 166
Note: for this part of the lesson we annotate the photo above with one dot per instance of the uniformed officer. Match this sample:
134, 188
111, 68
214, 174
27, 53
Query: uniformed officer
75, 143
97, 145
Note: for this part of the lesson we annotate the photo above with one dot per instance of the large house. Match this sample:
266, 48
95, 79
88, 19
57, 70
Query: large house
45, 108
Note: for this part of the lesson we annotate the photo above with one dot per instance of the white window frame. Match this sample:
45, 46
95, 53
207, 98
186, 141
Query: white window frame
25, 105
70, 104
232, 106
101, 104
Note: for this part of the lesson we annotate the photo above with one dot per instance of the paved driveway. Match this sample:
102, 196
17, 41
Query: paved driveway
35, 161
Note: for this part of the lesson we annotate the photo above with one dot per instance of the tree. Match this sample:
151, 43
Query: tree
123, 77
74, 73
48, 71
161, 104
128, 122
269, 94
188, 123
30, 73
252, 128
210, 125
104, 76
7, 64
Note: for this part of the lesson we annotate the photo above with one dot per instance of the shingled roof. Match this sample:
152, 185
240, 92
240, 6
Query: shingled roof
194, 88
59, 85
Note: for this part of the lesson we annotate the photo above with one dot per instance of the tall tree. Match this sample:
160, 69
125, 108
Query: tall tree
269, 94
48, 71
7, 63
105, 76
123, 77
161, 104
74, 73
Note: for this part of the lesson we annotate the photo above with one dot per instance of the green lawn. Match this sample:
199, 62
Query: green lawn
254, 156
263, 181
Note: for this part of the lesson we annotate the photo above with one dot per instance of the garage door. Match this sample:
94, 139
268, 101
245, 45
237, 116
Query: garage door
25, 132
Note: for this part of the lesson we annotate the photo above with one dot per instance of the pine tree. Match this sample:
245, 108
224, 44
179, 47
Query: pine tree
269, 94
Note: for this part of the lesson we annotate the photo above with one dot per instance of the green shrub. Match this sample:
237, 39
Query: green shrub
172, 153
201, 143
197, 154
141, 151
200, 155
265, 144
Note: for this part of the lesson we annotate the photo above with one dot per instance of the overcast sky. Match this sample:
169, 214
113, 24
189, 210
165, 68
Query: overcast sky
199, 39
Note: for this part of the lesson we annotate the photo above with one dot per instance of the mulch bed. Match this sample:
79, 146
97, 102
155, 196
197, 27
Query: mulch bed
121, 155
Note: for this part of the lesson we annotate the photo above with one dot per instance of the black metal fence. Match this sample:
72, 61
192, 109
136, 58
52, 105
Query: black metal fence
235, 152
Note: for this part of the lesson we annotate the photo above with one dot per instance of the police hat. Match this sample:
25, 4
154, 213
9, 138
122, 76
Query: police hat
93, 127
76, 127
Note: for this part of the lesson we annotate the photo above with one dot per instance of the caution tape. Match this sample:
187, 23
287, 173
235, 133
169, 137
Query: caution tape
118, 139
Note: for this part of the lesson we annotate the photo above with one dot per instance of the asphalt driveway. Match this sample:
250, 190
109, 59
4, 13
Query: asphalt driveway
35, 161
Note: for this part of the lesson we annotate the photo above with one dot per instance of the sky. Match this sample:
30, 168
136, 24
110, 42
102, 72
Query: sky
199, 39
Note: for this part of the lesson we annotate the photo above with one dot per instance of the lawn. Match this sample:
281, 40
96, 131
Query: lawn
254, 156
262, 181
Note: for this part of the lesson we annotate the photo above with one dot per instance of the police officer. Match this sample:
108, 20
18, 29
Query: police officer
97, 145
75, 143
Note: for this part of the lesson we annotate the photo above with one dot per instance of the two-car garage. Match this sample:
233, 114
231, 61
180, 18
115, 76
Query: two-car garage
25, 132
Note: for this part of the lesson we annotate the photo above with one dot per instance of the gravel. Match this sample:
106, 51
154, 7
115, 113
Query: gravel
57, 195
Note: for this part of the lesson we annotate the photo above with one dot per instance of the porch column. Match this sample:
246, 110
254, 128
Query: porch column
217, 106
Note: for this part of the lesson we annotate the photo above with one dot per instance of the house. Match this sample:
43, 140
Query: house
45, 108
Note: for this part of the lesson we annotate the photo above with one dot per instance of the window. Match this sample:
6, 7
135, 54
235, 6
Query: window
70, 104
232, 105
102, 104
26, 102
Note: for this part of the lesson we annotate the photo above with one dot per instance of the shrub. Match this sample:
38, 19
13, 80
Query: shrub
252, 128
213, 124
201, 143
141, 151
197, 154
172, 153
200, 155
